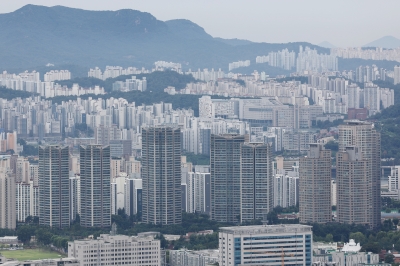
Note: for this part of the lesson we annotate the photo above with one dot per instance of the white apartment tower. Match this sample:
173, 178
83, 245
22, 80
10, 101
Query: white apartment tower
396, 75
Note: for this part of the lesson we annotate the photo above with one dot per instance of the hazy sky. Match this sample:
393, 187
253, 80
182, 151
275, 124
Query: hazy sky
341, 22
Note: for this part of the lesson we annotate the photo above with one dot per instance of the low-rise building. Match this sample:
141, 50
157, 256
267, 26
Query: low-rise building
265, 245
47, 262
112, 249
184, 257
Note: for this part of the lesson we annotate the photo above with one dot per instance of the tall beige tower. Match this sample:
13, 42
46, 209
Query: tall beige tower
358, 170
8, 217
315, 186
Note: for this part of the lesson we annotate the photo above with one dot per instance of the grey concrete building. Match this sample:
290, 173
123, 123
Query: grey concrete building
366, 141
161, 175
54, 205
7, 195
315, 186
95, 186
225, 177
256, 181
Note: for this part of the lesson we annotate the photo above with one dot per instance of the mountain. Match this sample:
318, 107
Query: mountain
37, 35
186, 29
388, 42
326, 44
233, 42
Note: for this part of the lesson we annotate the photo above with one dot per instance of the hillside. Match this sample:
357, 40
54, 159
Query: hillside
388, 42
36, 35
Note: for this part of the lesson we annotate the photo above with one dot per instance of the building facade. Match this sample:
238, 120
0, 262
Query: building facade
184, 257
54, 205
225, 177
265, 245
116, 250
161, 175
362, 143
256, 181
7, 195
315, 186
95, 186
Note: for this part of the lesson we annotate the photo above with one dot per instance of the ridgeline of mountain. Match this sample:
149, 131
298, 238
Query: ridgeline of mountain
37, 35
388, 42
233, 42
326, 45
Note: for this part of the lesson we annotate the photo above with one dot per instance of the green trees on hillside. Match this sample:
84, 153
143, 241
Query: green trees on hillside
10, 94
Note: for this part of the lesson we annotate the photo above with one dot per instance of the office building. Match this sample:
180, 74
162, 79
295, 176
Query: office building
225, 177
7, 195
289, 244
161, 175
358, 174
95, 186
256, 181
133, 250
315, 186
54, 205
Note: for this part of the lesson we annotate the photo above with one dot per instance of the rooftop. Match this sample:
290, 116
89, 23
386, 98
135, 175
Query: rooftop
267, 229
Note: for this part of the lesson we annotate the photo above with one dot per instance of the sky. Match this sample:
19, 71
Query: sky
343, 23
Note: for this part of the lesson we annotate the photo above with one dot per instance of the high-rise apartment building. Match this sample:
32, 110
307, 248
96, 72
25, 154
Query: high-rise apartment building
133, 196
394, 178
225, 177
256, 181
7, 195
95, 186
358, 165
161, 175
286, 188
396, 75
27, 200
353, 177
54, 186
315, 185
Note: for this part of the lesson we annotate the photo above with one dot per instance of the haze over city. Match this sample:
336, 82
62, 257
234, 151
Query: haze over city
199, 133
341, 23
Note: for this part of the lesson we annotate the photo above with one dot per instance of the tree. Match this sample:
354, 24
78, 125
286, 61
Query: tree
395, 221
389, 258
43, 236
24, 233
329, 238
358, 237
371, 247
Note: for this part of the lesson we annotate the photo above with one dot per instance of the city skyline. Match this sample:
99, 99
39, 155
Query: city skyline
271, 18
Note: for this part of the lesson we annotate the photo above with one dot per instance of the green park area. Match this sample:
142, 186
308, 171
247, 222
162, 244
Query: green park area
30, 254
